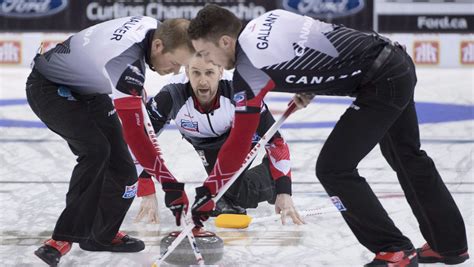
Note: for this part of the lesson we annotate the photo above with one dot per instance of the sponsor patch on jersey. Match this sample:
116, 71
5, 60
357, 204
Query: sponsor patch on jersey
190, 125
132, 79
130, 191
136, 70
338, 203
240, 100
155, 114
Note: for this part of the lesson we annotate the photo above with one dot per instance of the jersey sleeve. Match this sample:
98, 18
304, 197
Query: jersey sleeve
278, 154
250, 86
148, 154
266, 121
128, 99
127, 78
159, 108
145, 184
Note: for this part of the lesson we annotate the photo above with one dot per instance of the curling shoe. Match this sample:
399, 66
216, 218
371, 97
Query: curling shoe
404, 258
52, 251
121, 243
427, 255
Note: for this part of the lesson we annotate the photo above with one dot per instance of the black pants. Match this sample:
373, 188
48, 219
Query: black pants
97, 201
384, 112
253, 186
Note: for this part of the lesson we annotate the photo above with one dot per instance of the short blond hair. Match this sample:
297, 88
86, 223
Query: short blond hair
173, 33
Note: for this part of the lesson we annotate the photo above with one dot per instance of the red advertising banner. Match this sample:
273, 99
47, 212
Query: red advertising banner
10, 52
467, 52
426, 52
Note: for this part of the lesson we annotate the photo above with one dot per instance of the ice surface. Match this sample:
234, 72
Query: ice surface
36, 165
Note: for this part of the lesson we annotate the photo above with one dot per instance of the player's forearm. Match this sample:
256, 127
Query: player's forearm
278, 153
130, 113
234, 150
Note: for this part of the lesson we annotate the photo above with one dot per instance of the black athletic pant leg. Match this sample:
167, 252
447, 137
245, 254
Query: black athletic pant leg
360, 128
82, 124
119, 186
440, 220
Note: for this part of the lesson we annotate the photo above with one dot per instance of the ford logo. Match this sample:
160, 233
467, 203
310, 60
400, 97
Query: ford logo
324, 8
31, 8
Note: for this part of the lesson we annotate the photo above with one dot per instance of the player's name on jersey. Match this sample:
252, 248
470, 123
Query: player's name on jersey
265, 30
118, 33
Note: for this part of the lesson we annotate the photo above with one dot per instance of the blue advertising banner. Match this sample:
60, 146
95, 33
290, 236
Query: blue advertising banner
357, 14
31, 9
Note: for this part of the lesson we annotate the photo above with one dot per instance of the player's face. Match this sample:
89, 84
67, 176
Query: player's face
170, 62
204, 78
217, 54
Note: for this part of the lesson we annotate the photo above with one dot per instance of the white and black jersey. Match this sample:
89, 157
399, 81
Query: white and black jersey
117, 51
318, 57
205, 130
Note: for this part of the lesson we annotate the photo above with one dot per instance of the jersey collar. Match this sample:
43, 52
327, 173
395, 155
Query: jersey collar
147, 42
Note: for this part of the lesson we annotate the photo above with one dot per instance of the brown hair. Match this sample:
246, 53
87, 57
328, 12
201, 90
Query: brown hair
173, 33
212, 22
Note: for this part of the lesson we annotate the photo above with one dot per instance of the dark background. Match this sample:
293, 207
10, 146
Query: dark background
80, 14
74, 17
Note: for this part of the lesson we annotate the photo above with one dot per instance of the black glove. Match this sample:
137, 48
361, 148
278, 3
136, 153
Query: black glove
176, 200
203, 205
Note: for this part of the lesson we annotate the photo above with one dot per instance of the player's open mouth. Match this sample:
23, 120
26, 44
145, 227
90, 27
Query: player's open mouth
204, 91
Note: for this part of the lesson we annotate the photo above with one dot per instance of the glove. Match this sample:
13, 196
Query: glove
176, 200
203, 205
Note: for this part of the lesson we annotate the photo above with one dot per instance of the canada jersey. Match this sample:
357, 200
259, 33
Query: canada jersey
203, 130
104, 57
298, 53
